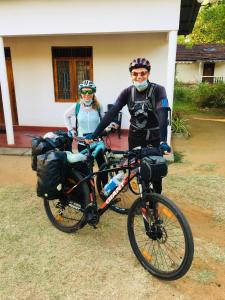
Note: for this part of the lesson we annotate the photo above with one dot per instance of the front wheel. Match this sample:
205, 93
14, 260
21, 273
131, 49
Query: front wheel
64, 213
160, 237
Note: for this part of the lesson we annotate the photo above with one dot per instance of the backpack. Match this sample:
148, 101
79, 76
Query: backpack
77, 109
51, 174
140, 109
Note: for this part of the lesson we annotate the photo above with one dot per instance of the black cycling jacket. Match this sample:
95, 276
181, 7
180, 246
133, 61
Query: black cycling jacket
158, 116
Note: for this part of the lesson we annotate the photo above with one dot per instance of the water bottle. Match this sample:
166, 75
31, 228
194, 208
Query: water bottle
113, 183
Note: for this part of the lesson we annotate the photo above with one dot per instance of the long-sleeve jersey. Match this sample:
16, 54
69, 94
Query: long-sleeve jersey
88, 119
156, 116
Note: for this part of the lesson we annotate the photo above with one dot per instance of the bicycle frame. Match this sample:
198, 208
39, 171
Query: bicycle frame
109, 199
135, 172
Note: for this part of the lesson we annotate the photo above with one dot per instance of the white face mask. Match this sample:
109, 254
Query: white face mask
141, 86
87, 103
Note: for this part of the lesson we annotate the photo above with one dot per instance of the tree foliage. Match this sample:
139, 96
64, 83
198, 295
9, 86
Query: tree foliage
209, 26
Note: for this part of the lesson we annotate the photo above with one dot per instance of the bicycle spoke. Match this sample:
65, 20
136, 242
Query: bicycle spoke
163, 249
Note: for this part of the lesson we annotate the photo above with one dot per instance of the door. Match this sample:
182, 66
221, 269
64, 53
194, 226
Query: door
208, 70
11, 92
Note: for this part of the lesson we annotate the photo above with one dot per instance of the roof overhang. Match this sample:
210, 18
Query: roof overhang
188, 13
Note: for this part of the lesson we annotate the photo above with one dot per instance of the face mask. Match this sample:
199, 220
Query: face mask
87, 103
141, 86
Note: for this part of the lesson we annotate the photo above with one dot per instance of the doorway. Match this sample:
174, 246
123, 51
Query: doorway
11, 92
208, 72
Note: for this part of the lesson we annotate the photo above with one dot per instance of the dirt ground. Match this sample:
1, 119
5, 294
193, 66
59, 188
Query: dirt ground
204, 153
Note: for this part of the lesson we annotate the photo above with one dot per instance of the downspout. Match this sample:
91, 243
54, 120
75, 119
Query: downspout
5, 96
171, 61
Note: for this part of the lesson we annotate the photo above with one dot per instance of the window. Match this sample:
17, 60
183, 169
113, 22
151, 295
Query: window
71, 65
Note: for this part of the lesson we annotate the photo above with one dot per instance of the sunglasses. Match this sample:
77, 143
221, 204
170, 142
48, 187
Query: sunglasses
135, 74
89, 92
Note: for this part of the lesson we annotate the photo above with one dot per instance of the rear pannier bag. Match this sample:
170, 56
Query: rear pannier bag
51, 174
39, 146
153, 168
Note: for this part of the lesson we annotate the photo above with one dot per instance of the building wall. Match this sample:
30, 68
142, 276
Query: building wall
33, 72
77, 16
188, 72
220, 69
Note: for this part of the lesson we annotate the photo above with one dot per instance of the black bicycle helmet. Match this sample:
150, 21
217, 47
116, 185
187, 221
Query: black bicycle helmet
139, 63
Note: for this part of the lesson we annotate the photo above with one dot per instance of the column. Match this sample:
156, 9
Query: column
171, 61
200, 73
5, 96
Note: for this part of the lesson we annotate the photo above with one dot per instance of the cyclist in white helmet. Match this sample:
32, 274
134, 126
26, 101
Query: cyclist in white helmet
88, 114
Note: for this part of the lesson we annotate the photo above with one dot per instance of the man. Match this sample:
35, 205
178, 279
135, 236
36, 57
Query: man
148, 106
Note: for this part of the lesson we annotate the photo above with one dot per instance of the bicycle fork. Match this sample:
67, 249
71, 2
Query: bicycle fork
148, 210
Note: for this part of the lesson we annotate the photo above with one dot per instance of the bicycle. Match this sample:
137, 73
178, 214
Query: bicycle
113, 159
159, 233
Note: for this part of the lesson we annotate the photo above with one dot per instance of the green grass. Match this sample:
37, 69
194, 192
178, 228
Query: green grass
185, 107
203, 190
203, 276
40, 262
178, 157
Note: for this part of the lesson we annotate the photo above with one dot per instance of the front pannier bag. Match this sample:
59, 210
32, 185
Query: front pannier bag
153, 168
51, 174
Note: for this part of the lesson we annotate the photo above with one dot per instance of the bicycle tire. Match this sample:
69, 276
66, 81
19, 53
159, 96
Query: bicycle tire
61, 215
170, 262
122, 203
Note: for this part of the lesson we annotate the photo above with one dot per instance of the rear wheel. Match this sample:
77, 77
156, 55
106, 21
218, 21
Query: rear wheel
122, 203
165, 245
64, 213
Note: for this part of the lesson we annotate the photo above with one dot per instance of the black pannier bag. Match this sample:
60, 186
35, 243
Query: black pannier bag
40, 145
153, 168
63, 141
51, 174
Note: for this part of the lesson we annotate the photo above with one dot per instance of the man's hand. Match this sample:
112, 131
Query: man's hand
165, 147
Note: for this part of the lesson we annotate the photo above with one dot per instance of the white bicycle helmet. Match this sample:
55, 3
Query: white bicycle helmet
87, 84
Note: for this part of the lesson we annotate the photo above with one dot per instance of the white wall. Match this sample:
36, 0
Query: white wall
41, 17
188, 72
220, 69
33, 72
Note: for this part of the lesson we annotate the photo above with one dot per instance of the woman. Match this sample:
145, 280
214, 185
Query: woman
87, 113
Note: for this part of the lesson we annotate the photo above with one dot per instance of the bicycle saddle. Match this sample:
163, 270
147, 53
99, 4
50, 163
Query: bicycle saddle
75, 157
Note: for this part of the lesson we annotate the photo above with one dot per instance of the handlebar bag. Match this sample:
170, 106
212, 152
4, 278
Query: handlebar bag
51, 174
153, 168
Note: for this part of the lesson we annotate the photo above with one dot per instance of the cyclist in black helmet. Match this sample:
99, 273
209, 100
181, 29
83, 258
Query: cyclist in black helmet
148, 106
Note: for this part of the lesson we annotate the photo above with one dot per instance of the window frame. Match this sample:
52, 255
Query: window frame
72, 73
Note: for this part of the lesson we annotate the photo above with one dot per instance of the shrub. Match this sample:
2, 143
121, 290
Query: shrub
182, 92
210, 95
179, 125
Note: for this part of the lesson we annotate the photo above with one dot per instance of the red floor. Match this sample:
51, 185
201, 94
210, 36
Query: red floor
23, 141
